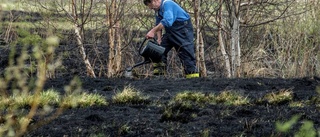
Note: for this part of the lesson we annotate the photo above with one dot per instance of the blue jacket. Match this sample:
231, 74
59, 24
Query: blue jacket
170, 12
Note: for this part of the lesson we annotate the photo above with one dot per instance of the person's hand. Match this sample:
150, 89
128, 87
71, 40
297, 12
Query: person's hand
159, 41
150, 34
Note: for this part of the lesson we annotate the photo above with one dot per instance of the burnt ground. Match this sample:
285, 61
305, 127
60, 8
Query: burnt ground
255, 119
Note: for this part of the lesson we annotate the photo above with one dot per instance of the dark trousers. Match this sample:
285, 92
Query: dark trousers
180, 36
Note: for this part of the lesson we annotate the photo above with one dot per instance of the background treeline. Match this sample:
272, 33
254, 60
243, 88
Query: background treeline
234, 38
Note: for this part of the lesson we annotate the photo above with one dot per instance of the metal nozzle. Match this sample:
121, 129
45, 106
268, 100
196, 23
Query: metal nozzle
128, 72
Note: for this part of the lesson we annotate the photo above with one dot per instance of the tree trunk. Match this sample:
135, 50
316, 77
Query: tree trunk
235, 43
79, 33
235, 48
89, 68
202, 62
199, 41
114, 39
119, 47
221, 41
196, 14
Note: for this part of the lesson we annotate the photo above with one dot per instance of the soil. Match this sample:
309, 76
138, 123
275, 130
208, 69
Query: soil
147, 119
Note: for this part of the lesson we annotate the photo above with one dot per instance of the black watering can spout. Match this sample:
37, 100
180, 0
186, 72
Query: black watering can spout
138, 64
151, 51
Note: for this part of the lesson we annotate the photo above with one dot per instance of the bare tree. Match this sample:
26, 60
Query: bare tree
221, 39
79, 20
114, 11
199, 40
233, 9
78, 13
242, 14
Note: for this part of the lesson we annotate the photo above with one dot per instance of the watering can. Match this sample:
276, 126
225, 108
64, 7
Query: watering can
151, 51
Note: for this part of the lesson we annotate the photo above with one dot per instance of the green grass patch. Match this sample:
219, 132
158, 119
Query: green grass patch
299, 104
130, 95
198, 97
232, 98
279, 97
186, 105
53, 98
84, 99
49, 97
